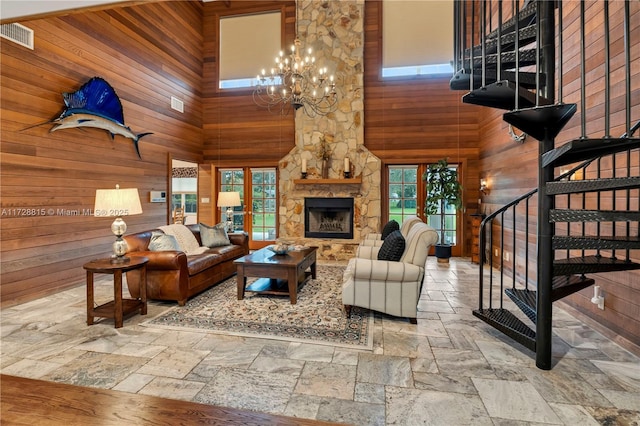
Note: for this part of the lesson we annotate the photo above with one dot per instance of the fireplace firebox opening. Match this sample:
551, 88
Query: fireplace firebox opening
328, 218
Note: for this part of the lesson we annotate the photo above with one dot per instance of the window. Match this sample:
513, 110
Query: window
185, 200
403, 191
242, 57
417, 37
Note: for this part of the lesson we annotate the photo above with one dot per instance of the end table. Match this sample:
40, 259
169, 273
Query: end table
118, 307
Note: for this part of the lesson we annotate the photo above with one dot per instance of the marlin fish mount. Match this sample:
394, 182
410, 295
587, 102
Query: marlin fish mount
97, 105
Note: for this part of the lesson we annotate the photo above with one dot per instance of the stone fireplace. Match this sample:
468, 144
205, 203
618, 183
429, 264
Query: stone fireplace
335, 32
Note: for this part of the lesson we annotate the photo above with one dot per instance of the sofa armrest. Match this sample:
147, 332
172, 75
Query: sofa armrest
367, 252
384, 270
240, 239
163, 260
372, 243
373, 236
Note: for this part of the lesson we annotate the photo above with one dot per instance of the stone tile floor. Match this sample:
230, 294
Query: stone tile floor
449, 369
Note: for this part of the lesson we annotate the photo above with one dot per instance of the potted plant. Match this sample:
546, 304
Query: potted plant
443, 189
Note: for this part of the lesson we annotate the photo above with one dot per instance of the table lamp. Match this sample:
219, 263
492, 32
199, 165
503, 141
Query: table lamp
229, 200
117, 203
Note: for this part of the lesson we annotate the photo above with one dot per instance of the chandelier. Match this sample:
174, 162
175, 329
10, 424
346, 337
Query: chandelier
295, 81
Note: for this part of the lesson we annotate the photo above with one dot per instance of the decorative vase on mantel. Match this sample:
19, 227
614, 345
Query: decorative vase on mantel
325, 169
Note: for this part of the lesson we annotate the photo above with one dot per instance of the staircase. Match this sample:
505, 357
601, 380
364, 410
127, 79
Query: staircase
587, 216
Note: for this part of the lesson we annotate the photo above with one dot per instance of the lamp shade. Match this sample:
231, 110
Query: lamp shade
117, 202
229, 199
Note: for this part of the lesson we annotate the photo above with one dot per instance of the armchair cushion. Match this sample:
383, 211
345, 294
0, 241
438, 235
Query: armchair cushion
214, 236
393, 247
389, 227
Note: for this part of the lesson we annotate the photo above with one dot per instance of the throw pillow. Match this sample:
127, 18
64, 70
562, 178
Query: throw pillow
163, 242
391, 226
187, 241
214, 236
392, 247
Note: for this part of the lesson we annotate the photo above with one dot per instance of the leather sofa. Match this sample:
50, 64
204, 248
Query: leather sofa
174, 275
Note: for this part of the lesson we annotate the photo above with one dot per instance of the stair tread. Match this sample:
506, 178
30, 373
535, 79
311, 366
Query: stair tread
526, 57
561, 286
541, 121
461, 79
592, 185
594, 260
565, 285
501, 95
527, 16
509, 324
578, 215
591, 264
527, 35
524, 299
585, 149
594, 242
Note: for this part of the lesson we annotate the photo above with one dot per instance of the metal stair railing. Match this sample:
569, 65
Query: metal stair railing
569, 211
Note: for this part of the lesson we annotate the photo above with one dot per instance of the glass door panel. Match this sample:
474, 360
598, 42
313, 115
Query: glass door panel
406, 196
263, 206
232, 180
257, 216
403, 184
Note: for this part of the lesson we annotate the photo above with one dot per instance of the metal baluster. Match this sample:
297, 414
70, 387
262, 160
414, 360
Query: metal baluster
483, 41
517, 52
513, 248
583, 59
471, 54
499, 51
501, 258
560, 52
526, 244
538, 37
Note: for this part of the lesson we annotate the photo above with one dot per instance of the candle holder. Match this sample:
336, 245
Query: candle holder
347, 174
304, 175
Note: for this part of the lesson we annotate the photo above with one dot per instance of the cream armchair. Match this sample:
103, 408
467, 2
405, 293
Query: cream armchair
385, 286
375, 239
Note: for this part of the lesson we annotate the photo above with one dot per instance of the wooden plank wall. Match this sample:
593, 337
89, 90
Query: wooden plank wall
146, 58
236, 131
418, 121
511, 168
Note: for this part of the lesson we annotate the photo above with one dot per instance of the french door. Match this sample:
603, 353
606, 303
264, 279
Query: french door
257, 215
405, 196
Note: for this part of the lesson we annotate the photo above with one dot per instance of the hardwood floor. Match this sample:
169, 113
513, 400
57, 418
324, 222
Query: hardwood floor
35, 402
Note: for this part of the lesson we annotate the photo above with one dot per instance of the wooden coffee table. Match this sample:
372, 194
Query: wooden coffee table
279, 274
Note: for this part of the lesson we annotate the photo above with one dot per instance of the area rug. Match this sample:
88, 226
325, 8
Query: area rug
317, 317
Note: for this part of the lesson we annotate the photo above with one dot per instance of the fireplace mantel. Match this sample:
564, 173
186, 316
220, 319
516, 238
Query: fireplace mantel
350, 181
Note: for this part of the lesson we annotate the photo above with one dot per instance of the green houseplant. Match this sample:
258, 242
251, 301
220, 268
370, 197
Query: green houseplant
443, 189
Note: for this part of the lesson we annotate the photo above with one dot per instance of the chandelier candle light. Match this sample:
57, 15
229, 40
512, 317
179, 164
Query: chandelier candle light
296, 81
117, 203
